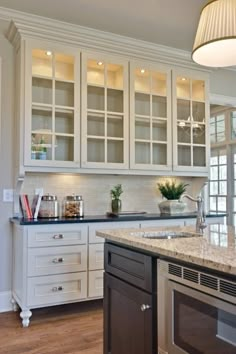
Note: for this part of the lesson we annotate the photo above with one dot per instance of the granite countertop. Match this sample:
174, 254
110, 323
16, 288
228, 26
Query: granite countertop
105, 218
215, 249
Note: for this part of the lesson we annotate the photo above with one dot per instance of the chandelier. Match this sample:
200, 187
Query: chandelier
197, 129
215, 41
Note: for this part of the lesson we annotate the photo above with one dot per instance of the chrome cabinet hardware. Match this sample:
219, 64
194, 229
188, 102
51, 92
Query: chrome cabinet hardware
58, 260
57, 288
145, 307
58, 237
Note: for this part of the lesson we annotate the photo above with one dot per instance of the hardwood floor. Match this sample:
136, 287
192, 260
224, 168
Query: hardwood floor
68, 329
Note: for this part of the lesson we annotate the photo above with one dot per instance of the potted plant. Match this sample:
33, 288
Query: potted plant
172, 191
116, 192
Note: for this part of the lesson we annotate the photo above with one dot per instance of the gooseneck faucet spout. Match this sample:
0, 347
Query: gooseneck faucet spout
200, 220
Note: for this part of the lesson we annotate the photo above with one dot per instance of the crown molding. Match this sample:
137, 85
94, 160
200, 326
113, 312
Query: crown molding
222, 100
25, 25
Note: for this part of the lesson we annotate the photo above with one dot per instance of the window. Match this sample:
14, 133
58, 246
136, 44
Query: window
218, 180
217, 128
222, 183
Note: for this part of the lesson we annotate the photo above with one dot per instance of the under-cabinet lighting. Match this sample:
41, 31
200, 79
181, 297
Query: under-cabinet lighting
48, 53
100, 63
183, 78
142, 71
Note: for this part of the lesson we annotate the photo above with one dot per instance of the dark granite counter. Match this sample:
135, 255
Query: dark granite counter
105, 218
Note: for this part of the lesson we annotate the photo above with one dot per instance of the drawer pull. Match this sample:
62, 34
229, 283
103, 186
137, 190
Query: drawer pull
58, 237
145, 307
58, 260
57, 288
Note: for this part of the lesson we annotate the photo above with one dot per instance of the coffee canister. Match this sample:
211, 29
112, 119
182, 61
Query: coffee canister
73, 206
49, 207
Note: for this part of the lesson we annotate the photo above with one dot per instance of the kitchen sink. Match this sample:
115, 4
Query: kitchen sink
163, 234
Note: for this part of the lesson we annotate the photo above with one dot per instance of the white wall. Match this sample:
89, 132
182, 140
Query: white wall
6, 162
223, 82
139, 192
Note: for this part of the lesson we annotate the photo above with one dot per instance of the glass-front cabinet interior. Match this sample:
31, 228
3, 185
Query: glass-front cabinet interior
150, 117
104, 112
190, 112
52, 115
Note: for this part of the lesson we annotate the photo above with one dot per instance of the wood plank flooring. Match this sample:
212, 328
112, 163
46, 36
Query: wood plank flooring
68, 329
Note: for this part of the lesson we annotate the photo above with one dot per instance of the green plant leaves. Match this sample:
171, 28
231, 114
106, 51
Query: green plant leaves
172, 190
116, 191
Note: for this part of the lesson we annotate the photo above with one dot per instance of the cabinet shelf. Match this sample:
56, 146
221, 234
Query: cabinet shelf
144, 118
101, 114
99, 137
149, 93
42, 131
151, 141
53, 78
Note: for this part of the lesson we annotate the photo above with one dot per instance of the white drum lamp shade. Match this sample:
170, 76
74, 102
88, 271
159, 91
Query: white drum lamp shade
215, 42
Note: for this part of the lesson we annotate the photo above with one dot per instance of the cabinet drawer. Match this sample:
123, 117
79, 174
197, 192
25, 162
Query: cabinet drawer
96, 256
109, 225
95, 286
57, 236
133, 267
55, 289
56, 260
161, 223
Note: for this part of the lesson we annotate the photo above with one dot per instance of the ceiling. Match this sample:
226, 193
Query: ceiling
167, 22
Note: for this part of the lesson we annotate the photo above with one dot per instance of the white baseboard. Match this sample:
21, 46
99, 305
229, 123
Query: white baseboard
5, 301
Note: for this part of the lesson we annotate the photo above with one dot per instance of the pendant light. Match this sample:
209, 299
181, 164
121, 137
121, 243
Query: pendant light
215, 42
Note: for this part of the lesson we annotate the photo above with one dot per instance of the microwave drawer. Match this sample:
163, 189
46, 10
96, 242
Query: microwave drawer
56, 260
133, 267
56, 289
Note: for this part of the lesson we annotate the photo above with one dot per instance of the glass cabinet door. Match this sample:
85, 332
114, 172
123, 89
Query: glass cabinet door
53, 94
150, 117
190, 117
105, 112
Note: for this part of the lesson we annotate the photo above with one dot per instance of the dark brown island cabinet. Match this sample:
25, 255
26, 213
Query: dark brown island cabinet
130, 301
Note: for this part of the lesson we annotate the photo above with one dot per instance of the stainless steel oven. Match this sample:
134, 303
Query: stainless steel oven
196, 311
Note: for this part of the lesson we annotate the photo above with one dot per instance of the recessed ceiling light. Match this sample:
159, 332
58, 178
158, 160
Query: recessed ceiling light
100, 63
183, 78
49, 53
142, 71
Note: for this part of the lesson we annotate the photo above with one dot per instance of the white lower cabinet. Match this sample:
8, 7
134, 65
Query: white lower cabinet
96, 254
57, 264
56, 289
162, 223
57, 260
209, 221
63, 263
95, 285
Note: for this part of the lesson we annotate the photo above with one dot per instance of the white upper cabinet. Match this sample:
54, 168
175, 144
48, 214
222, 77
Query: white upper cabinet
90, 112
190, 122
105, 118
52, 116
150, 117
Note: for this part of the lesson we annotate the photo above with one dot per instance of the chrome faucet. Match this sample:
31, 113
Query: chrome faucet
200, 220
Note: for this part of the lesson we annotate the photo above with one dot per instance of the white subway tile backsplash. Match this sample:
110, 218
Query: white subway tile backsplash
140, 192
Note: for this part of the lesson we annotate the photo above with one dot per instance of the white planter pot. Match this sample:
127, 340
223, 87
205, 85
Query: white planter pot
172, 207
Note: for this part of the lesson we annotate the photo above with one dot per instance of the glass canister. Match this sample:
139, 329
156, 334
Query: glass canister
49, 207
73, 206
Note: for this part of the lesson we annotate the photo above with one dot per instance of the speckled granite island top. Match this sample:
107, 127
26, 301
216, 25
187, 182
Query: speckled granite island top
215, 249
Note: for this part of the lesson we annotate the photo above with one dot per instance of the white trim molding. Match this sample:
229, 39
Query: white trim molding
5, 301
25, 25
223, 100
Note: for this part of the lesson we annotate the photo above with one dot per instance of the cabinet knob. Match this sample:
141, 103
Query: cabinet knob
57, 288
145, 307
58, 260
58, 237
